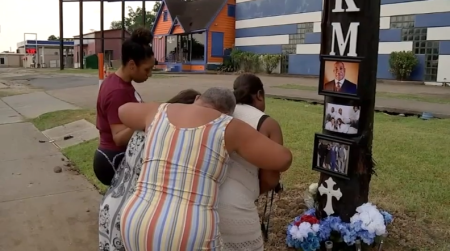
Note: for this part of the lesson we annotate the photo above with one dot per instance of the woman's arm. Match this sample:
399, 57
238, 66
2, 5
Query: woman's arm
256, 148
120, 133
138, 116
268, 180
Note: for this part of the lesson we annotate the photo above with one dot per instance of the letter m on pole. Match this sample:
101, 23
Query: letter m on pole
350, 39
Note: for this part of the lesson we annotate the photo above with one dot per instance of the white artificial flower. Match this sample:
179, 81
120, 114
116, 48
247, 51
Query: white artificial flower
315, 228
304, 228
294, 232
371, 218
313, 188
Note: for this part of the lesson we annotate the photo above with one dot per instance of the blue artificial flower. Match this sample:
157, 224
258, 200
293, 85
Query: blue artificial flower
324, 229
367, 237
311, 212
349, 233
310, 243
387, 217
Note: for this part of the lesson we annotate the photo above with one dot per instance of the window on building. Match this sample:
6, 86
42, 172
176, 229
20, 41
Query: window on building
108, 57
185, 48
420, 44
294, 39
165, 18
2, 60
400, 22
231, 10
431, 58
171, 49
198, 46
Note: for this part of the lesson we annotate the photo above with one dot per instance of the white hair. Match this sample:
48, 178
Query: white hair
222, 99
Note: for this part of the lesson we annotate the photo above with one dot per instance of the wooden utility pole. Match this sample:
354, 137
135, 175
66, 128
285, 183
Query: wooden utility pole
349, 45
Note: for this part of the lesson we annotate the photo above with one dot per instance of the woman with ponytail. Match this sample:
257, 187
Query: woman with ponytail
239, 221
117, 89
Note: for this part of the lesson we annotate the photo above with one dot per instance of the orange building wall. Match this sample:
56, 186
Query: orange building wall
227, 25
197, 67
178, 30
162, 28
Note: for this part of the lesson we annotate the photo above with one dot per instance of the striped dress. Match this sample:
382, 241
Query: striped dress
175, 203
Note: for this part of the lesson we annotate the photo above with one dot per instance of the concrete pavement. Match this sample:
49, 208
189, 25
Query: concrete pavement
41, 210
161, 89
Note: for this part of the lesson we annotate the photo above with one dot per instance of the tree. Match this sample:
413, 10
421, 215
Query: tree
54, 38
135, 18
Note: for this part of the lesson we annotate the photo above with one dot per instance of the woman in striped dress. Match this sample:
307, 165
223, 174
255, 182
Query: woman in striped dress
174, 206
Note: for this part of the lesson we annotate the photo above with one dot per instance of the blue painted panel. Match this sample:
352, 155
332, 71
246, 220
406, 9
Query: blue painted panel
262, 49
165, 16
313, 38
216, 44
398, 1
432, 20
267, 31
392, 35
270, 8
384, 73
304, 64
444, 48
48, 42
231, 10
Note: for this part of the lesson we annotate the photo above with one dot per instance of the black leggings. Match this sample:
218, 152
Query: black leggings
106, 163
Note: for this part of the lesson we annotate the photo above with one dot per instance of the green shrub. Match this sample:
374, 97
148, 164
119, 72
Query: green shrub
402, 63
270, 62
245, 61
227, 66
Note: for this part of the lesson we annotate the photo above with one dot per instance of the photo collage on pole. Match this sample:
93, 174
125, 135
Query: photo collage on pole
339, 83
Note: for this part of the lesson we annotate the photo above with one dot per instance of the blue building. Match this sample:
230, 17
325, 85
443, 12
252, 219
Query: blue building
293, 27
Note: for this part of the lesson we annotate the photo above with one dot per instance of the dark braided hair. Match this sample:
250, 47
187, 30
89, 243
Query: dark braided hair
185, 97
245, 86
137, 47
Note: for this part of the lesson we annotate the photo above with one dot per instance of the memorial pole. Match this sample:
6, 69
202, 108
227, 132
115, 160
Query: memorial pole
349, 48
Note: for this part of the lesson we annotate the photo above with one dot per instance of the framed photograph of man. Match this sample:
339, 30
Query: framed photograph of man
341, 118
339, 77
332, 155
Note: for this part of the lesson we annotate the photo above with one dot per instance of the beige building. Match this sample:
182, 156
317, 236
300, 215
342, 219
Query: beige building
11, 60
45, 54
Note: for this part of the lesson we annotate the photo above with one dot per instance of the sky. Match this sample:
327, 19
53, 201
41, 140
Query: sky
42, 17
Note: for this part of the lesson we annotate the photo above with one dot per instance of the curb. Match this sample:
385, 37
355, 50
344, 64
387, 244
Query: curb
377, 108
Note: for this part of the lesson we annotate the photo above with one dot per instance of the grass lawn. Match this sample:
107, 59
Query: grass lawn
95, 72
412, 167
12, 92
54, 119
81, 155
413, 97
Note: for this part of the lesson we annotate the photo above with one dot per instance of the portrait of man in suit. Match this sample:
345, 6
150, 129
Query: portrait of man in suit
340, 83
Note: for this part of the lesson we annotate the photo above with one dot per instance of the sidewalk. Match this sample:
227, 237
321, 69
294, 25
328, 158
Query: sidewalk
41, 210
161, 89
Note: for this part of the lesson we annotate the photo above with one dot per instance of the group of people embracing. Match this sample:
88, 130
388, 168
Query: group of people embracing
184, 174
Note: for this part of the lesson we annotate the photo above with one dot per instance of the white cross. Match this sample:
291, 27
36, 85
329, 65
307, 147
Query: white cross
330, 193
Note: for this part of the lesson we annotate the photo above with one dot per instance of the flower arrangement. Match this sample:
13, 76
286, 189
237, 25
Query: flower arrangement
306, 232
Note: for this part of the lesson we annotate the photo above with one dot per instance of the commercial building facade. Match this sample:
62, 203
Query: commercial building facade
92, 45
44, 53
293, 27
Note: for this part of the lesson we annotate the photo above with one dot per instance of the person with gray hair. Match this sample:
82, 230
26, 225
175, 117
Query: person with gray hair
175, 201
221, 99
